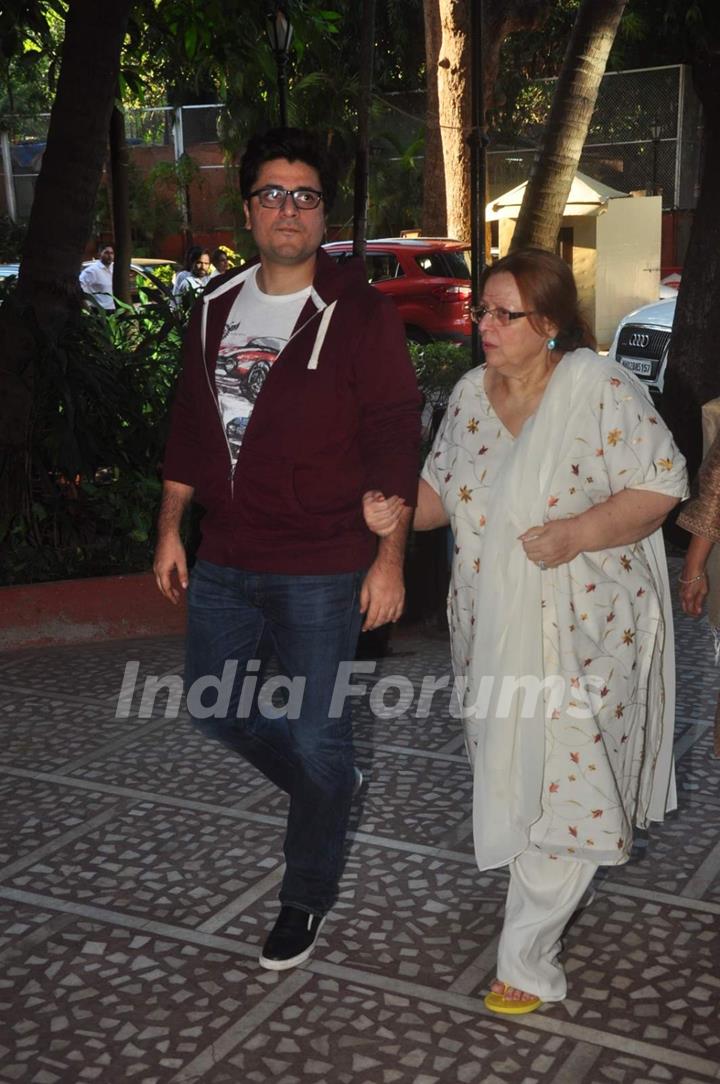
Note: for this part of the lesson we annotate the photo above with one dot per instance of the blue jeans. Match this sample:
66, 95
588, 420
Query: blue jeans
312, 623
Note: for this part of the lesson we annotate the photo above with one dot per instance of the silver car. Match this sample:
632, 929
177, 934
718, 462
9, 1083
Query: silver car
642, 341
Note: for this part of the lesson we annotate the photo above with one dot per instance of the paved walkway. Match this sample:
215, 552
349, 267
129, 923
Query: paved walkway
138, 875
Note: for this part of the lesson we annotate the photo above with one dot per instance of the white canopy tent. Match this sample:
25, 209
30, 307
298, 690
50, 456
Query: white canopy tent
611, 240
587, 197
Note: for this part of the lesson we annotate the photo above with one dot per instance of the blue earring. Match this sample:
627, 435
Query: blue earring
551, 344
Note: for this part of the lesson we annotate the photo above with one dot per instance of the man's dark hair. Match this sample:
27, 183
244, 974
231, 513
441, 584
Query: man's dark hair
295, 144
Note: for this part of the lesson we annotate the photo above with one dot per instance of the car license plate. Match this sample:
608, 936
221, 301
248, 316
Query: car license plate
640, 368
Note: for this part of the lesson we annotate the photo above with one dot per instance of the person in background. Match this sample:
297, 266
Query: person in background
220, 262
296, 392
97, 278
556, 473
196, 273
700, 576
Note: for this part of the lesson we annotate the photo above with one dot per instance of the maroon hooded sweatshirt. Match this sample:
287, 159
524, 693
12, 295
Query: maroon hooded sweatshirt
338, 414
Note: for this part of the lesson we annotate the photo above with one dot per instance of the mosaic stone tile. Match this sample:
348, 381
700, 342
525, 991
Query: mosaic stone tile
178, 761
410, 673
646, 971
33, 814
21, 925
417, 799
98, 1003
338, 1033
697, 771
414, 917
165, 864
43, 733
666, 858
93, 670
85, 1000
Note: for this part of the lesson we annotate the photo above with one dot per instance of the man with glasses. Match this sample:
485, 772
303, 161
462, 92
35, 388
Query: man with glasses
297, 397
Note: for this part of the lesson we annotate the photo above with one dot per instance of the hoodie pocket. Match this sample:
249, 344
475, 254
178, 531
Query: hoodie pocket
331, 493
263, 493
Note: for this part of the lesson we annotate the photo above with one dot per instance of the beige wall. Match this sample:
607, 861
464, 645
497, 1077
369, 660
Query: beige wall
628, 262
584, 263
616, 259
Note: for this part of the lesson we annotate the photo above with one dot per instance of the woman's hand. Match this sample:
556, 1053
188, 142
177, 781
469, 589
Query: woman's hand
554, 543
382, 514
621, 520
693, 590
693, 580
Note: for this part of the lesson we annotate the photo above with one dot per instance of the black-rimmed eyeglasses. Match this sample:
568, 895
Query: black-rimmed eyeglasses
500, 316
304, 199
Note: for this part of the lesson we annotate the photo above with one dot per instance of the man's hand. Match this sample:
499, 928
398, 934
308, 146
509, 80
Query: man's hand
382, 596
169, 558
170, 552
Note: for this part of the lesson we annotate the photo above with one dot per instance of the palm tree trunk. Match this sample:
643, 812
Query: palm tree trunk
570, 114
446, 194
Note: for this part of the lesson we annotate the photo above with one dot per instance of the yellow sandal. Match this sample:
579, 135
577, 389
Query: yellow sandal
507, 1006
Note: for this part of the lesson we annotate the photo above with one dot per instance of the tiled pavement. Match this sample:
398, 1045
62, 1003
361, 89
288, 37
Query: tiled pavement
139, 868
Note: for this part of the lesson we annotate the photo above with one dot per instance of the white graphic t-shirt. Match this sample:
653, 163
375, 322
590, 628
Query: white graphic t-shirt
257, 328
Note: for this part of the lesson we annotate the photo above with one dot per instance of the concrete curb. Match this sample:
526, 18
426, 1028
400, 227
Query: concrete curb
76, 611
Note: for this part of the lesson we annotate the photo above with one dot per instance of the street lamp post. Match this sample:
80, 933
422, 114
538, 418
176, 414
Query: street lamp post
655, 132
280, 32
478, 142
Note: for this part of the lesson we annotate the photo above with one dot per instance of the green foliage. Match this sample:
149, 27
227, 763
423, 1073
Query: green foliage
101, 408
438, 367
31, 33
11, 240
395, 184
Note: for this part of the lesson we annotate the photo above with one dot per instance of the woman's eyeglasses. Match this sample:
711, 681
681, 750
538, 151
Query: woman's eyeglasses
500, 316
304, 199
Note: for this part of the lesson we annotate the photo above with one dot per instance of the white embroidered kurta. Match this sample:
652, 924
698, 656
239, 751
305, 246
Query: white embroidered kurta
570, 771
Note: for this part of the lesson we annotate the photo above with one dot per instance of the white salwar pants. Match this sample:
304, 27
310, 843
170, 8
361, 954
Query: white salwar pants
542, 895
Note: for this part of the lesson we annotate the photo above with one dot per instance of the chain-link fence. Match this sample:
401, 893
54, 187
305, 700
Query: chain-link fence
644, 134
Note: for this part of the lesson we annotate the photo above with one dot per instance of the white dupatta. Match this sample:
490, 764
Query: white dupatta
506, 743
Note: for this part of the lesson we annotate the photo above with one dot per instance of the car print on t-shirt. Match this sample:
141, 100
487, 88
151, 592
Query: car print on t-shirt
239, 376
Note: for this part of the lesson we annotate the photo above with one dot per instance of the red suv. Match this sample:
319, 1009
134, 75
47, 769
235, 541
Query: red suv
428, 278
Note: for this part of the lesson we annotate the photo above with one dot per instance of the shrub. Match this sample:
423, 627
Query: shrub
12, 237
438, 367
98, 434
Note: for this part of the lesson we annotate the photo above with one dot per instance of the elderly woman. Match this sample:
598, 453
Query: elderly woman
555, 474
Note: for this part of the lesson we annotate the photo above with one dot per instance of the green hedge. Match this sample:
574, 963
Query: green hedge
99, 429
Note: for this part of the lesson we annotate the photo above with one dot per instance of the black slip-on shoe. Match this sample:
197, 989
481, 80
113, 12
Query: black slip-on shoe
291, 939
